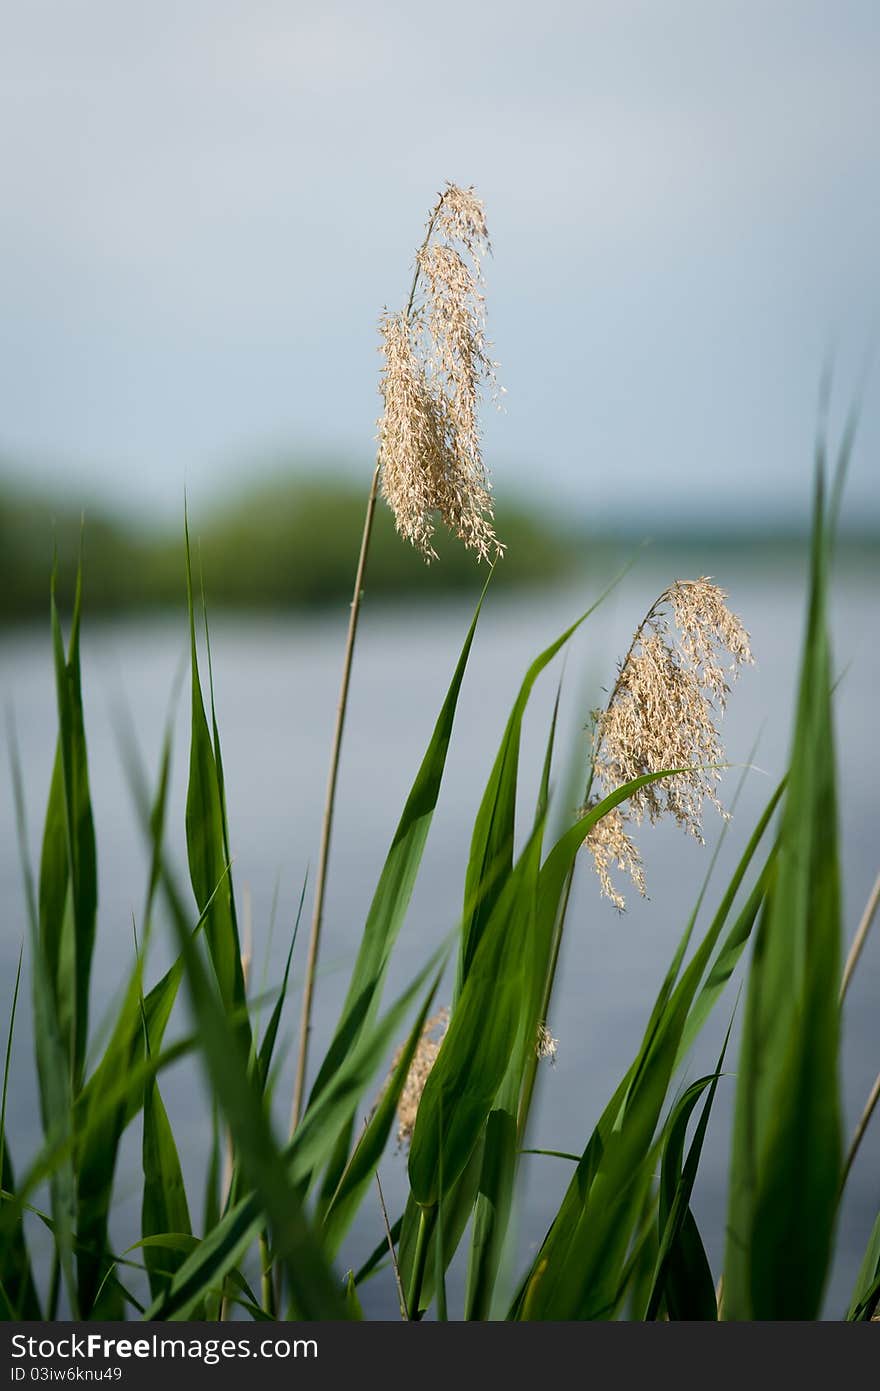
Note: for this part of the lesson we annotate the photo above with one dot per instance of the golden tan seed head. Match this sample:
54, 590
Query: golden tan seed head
546, 1046
663, 713
419, 1070
436, 366
610, 847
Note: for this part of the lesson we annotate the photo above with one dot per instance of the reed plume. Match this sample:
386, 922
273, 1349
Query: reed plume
429, 460
424, 1059
436, 366
546, 1046
663, 713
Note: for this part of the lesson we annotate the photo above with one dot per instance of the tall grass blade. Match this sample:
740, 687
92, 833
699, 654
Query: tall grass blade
491, 853
397, 879
866, 1295
68, 870
683, 1281
164, 1207
577, 1273
18, 1293
787, 1148
360, 1170
99, 1142
53, 1070
313, 1285
206, 836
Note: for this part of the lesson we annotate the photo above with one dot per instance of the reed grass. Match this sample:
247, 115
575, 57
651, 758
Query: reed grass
454, 1083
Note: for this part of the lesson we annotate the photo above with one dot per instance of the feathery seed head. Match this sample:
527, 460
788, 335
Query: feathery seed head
546, 1046
670, 690
436, 366
424, 1059
610, 846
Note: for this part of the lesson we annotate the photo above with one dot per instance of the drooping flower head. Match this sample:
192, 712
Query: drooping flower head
436, 366
662, 714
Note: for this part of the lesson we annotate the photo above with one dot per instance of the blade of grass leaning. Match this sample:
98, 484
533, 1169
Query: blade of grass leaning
206, 835
491, 852
229, 1238
7, 1060
316, 1136
500, 1149
311, 1280
359, 1173
577, 1271
53, 1068
58, 1152
479, 1042
380, 1253
98, 1148
866, 1294
164, 1207
391, 901
397, 879
18, 1293
267, 1047
787, 1148
683, 1281
68, 870
455, 1213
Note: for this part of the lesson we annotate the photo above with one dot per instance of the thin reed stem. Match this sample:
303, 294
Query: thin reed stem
342, 705
400, 1293
860, 938
329, 806
864, 1122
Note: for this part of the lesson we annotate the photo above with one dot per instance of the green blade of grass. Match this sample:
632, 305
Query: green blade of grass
311, 1280
491, 853
479, 1042
577, 1271
397, 879
206, 835
99, 1145
69, 937
164, 1207
331, 1113
359, 1173
18, 1293
682, 1277
53, 1068
787, 1148
455, 1212
267, 1047
866, 1294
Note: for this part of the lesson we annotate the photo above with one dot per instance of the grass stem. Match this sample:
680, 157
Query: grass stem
419, 1259
267, 1284
870, 1107
400, 1292
855, 950
329, 805
330, 799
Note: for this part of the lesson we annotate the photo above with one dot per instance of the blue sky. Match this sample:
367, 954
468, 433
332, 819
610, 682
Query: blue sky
206, 205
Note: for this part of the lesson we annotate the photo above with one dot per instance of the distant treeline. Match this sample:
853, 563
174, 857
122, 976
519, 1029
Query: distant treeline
283, 544
292, 542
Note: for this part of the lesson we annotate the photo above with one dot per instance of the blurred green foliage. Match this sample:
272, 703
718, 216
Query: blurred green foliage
291, 541
286, 542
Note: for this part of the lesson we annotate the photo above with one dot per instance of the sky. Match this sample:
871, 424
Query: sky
206, 204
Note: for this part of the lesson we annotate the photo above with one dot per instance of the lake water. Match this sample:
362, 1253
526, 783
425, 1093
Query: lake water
276, 682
